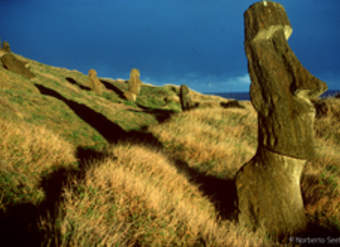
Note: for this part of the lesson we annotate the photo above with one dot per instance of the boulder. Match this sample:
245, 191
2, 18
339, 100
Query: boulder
268, 186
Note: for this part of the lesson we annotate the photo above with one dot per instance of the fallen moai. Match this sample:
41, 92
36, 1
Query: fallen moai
13, 64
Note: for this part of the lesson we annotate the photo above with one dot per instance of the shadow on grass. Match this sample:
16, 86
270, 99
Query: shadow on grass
74, 82
19, 224
221, 192
110, 86
110, 131
161, 115
232, 104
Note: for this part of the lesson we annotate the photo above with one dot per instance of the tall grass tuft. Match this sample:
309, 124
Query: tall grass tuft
215, 141
28, 153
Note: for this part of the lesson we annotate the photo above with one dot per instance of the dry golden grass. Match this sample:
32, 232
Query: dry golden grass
210, 101
49, 76
28, 152
213, 140
327, 128
320, 186
8, 79
137, 197
320, 183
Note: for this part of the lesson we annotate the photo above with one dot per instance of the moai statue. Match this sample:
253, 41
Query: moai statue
134, 85
11, 63
268, 186
186, 103
96, 85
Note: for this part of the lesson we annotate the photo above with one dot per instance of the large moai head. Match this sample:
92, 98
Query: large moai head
281, 88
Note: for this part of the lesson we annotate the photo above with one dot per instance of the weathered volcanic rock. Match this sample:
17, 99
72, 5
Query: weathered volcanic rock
281, 87
11, 63
268, 186
269, 195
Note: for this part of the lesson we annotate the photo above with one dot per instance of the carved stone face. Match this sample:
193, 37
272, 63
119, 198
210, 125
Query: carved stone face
281, 87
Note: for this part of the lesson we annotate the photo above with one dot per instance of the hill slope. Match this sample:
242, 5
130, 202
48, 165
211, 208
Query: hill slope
81, 169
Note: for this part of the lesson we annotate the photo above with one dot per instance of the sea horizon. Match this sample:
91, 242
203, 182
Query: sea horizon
246, 96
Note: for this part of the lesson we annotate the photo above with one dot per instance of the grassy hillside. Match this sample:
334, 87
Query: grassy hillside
81, 169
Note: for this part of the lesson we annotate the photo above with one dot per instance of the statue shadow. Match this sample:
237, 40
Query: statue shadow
110, 86
74, 82
232, 104
110, 131
18, 225
221, 192
161, 115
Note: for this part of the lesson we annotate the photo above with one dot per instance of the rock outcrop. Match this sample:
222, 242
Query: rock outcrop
268, 186
13, 64
95, 84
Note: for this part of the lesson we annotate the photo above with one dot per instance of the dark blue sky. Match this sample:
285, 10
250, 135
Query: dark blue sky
197, 42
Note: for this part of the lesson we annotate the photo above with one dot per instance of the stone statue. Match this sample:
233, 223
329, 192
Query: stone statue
95, 83
268, 186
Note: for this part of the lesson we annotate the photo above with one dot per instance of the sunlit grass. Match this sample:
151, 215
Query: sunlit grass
27, 154
213, 140
138, 195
